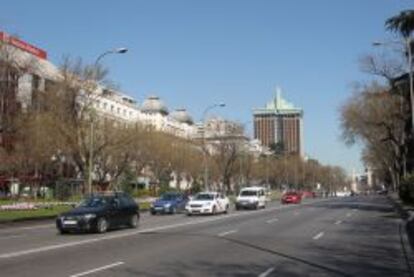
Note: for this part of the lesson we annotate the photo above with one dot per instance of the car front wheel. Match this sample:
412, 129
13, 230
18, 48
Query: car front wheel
102, 225
62, 231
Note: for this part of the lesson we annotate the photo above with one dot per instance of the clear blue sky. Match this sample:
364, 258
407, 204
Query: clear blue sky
193, 53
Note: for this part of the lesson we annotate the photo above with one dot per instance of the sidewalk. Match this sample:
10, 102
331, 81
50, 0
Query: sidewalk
406, 227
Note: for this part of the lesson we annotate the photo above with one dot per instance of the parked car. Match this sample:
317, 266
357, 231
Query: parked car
291, 198
99, 213
343, 193
208, 203
170, 202
252, 198
308, 194
382, 192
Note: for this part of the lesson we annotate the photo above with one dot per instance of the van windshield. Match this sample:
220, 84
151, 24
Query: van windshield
248, 193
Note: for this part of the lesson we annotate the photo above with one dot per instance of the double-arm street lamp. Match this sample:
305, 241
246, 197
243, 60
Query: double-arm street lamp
90, 167
209, 108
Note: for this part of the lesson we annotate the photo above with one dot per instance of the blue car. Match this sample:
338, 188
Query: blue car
169, 203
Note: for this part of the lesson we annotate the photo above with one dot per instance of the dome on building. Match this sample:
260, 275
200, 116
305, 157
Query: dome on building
182, 116
153, 104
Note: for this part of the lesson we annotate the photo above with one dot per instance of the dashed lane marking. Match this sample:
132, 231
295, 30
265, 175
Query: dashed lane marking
267, 272
227, 233
273, 220
97, 269
318, 236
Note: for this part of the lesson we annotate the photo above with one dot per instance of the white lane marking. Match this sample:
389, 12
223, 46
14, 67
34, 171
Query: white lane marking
338, 222
97, 269
354, 210
132, 233
267, 272
318, 236
227, 233
270, 221
348, 214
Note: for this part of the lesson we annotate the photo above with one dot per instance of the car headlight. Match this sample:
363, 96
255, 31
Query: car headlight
89, 216
167, 205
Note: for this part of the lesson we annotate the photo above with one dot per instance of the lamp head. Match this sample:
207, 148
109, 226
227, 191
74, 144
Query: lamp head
121, 50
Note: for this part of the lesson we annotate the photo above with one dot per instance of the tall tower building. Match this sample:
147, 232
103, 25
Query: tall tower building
280, 122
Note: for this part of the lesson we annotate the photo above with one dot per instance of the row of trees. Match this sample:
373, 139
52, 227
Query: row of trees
59, 134
378, 114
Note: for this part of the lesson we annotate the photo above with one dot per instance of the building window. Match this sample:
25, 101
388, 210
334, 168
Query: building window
35, 82
112, 108
105, 105
118, 110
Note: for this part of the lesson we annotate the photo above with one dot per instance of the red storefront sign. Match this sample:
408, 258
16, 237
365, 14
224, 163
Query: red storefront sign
23, 45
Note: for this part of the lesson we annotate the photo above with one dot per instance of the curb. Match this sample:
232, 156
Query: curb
26, 219
4, 223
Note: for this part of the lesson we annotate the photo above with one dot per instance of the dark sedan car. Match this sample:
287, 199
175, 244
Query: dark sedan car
170, 202
291, 198
98, 213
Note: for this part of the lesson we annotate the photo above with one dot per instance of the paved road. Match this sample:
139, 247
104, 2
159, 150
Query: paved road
356, 236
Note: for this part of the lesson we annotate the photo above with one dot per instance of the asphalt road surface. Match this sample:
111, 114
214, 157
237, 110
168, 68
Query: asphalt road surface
352, 236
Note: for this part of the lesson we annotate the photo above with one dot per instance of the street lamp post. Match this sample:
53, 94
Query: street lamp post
91, 142
219, 105
243, 154
407, 44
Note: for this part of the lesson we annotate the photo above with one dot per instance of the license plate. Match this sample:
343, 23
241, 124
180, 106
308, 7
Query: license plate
70, 222
158, 208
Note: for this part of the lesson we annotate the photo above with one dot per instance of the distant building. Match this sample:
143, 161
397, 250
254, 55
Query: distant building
25, 71
219, 127
280, 122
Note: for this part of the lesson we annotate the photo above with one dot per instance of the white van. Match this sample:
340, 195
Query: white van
251, 197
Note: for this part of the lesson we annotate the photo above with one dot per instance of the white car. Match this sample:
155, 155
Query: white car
251, 197
208, 203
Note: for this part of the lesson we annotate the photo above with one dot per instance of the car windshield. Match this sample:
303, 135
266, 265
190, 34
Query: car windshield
169, 196
94, 202
204, 196
248, 193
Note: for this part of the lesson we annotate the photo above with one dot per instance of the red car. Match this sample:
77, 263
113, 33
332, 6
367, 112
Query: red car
291, 197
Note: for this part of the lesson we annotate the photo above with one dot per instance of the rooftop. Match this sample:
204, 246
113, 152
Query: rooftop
278, 105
